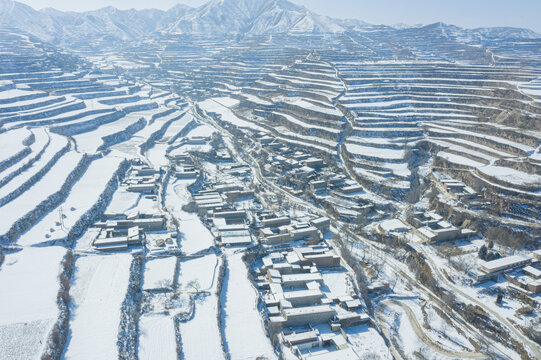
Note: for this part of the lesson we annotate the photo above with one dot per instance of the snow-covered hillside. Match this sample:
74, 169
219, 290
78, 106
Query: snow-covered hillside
251, 180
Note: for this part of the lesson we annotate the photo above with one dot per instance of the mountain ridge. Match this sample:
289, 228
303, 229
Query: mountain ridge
234, 17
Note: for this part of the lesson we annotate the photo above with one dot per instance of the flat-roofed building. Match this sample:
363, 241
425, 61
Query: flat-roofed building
504, 264
443, 231
122, 225
316, 314
143, 170
303, 340
429, 218
186, 172
303, 297
235, 235
111, 244
305, 232
328, 258
392, 226
237, 194
346, 353
318, 185
349, 318
154, 223
300, 279
231, 215
533, 272
228, 187
535, 286
275, 222
351, 189
314, 162
323, 224
142, 188
118, 240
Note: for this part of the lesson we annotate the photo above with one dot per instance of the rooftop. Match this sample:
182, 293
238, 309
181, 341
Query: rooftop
505, 262
308, 310
342, 354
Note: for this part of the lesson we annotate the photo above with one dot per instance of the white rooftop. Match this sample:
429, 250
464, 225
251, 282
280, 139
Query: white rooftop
393, 225
308, 310
505, 262
343, 354
531, 270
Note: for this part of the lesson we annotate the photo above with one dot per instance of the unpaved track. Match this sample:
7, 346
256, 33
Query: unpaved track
528, 344
422, 335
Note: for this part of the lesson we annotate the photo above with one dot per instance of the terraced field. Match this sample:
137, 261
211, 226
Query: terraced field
358, 125
67, 140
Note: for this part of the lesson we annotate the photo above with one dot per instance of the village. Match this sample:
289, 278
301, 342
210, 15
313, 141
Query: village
363, 194
308, 298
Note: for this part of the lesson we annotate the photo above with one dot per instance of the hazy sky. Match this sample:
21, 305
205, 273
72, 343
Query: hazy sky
467, 13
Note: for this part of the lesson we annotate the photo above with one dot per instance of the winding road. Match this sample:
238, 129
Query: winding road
418, 329
533, 347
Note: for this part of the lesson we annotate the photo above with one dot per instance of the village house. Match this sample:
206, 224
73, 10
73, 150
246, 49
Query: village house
350, 187
186, 172
122, 222
311, 345
428, 218
529, 279
300, 156
500, 266
269, 222
234, 235
301, 316
141, 170
392, 226
314, 162
318, 186
116, 240
443, 231
207, 201
455, 188
348, 215
323, 224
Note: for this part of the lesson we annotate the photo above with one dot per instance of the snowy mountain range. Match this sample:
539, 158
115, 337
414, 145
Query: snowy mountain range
244, 17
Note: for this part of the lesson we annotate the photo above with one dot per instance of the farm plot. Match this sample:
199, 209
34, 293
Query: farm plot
49, 184
366, 340
83, 196
58, 143
99, 287
221, 107
194, 236
200, 335
122, 202
202, 270
511, 176
242, 316
89, 142
337, 282
12, 146
369, 152
159, 273
157, 337
37, 148
29, 285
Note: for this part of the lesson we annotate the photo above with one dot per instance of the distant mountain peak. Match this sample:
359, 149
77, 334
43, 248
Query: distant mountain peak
216, 17
254, 17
